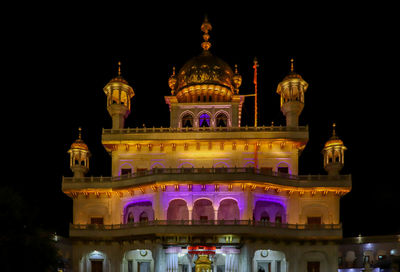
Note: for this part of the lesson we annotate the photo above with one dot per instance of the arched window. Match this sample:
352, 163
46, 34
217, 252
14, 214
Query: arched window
131, 219
187, 120
143, 217
204, 120
178, 210
264, 217
221, 120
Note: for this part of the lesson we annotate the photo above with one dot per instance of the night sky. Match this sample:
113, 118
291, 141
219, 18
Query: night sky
59, 59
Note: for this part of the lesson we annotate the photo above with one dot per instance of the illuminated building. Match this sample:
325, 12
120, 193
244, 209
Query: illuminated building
206, 194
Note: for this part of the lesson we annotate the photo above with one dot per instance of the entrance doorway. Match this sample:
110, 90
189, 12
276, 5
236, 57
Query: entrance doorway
312, 266
97, 265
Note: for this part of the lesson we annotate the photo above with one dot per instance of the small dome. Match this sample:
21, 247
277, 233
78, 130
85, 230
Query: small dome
334, 140
79, 143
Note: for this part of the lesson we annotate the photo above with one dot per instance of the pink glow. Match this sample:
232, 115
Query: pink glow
183, 164
157, 165
219, 164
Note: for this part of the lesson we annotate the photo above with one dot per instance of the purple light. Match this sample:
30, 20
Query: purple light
204, 118
183, 163
218, 164
156, 164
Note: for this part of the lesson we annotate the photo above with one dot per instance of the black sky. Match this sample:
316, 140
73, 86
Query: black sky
58, 60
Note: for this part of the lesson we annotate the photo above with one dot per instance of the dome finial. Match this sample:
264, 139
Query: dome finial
205, 27
292, 65
334, 130
80, 133
119, 68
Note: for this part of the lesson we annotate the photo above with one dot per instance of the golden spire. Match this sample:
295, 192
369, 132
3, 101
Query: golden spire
255, 66
205, 27
333, 130
119, 68
80, 133
292, 65
172, 81
237, 79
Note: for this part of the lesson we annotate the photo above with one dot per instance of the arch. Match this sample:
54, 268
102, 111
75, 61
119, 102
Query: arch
204, 118
126, 168
130, 218
249, 164
315, 257
274, 210
95, 260
264, 217
228, 210
283, 168
186, 165
315, 211
187, 120
177, 210
139, 209
221, 164
143, 217
222, 119
138, 258
203, 209
267, 260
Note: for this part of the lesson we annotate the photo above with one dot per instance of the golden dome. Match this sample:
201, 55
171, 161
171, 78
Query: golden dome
205, 78
334, 140
205, 69
293, 75
79, 143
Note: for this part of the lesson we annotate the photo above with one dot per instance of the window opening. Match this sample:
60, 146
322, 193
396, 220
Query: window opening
204, 120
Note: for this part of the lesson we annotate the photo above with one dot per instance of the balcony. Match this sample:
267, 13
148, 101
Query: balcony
262, 132
242, 228
207, 175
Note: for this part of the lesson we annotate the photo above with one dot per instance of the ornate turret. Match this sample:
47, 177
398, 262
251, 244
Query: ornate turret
119, 95
291, 90
333, 154
79, 157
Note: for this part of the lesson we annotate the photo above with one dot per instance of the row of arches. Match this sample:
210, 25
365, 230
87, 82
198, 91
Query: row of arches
205, 119
203, 210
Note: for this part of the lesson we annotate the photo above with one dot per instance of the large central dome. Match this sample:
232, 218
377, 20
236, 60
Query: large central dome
205, 78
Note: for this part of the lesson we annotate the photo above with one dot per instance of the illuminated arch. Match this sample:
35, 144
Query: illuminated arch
203, 209
222, 119
204, 118
183, 119
178, 209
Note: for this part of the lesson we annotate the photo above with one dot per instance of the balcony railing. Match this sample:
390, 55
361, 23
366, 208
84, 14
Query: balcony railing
199, 171
201, 129
221, 223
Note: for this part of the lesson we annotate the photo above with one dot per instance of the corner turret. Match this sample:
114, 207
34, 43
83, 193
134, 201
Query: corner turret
292, 89
333, 152
79, 157
119, 95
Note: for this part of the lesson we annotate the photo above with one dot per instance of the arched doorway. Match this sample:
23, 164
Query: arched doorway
203, 210
141, 211
140, 260
273, 211
187, 120
228, 210
267, 260
221, 120
178, 210
204, 120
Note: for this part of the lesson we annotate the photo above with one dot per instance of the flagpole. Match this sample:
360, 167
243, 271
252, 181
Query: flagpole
255, 90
